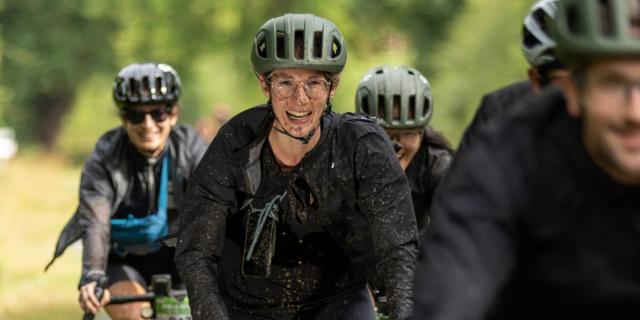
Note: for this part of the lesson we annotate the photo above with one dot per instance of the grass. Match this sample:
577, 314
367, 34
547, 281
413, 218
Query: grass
39, 194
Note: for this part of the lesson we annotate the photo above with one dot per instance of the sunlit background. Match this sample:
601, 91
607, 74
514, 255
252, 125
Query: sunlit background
59, 58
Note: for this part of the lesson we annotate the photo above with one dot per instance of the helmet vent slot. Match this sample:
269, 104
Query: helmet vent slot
412, 107
335, 48
365, 105
381, 107
121, 87
133, 88
606, 20
634, 17
396, 107
529, 39
146, 88
425, 107
280, 44
573, 20
539, 16
317, 44
298, 38
157, 87
261, 45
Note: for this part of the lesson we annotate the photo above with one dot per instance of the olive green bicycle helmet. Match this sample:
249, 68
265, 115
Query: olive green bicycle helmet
300, 41
404, 89
586, 29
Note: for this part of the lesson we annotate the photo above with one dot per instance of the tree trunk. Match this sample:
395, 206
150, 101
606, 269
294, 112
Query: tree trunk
51, 107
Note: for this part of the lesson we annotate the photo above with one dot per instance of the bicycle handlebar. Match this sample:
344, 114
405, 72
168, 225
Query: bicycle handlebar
99, 292
147, 297
161, 284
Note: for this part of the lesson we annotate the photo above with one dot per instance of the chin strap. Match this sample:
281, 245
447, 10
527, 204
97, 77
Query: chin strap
304, 140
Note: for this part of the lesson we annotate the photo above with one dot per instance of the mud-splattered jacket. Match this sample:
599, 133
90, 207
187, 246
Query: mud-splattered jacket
424, 172
346, 217
106, 179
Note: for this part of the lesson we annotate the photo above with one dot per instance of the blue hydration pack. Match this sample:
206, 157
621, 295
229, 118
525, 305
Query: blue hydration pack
139, 235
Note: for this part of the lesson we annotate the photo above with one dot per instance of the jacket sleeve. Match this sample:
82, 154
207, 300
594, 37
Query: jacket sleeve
210, 198
385, 199
439, 162
469, 248
483, 114
197, 148
94, 212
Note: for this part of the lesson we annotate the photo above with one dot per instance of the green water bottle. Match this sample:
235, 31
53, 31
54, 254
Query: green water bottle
167, 305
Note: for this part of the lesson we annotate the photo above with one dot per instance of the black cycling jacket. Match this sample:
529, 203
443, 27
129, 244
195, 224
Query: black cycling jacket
496, 105
526, 226
424, 172
109, 176
346, 217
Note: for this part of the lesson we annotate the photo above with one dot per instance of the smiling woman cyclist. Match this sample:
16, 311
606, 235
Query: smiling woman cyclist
294, 207
129, 189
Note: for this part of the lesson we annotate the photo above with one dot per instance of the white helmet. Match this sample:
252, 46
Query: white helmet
537, 45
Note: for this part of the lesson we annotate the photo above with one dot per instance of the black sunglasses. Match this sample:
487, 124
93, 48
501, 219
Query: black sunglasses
137, 117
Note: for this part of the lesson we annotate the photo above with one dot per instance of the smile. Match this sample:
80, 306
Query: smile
298, 115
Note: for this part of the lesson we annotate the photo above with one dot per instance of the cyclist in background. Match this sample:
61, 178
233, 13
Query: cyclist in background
400, 97
539, 218
545, 69
129, 189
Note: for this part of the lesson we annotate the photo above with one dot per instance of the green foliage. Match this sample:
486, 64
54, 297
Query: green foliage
92, 114
49, 47
482, 53
74, 48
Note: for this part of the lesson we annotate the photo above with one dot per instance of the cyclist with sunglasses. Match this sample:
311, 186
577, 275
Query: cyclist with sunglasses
130, 186
294, 208
540, 217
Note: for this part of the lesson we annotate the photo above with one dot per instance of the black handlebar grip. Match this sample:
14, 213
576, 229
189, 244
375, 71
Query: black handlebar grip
99, 292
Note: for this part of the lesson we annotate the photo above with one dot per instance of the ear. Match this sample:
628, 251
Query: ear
175, 112
572, 97
334, 85
534, 79
263, 85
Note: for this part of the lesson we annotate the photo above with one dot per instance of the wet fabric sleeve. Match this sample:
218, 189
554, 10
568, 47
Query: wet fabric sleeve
482, 117
94, 212
439, 162
469, 250
384, 197
209, 199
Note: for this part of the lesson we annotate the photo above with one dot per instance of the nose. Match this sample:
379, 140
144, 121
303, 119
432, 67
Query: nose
148, 121
301, 94
633, 109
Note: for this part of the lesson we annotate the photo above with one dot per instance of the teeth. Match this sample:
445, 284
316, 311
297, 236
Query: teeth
295, 114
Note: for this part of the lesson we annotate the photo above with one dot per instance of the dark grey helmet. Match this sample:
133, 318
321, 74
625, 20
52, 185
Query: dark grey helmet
322, 44
146, 83
399, 96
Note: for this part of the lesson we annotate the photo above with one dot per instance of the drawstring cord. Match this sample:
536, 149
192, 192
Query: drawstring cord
270, 210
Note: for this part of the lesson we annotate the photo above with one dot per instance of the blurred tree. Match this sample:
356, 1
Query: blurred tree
482, 53
49, 47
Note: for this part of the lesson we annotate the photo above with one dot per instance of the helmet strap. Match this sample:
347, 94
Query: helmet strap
305, 139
